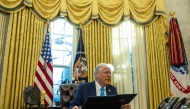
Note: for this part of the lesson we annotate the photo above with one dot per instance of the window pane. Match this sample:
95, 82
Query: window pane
61, 43
56, 94
60, 76
61, 40
58, 26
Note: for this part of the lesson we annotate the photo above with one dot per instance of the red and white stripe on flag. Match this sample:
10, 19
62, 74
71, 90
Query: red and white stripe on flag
44, 72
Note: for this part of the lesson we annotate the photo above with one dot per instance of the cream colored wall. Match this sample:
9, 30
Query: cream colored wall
182, 9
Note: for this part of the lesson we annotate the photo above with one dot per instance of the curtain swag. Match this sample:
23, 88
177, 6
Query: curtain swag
109, 12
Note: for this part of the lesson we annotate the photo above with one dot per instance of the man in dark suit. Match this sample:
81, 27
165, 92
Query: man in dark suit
102, 74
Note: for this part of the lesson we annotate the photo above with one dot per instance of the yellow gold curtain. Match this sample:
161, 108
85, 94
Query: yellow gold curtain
108, 12
3, 30
142, 13
97, 43
111, 12
20, 55
158, 62
22, 49
78, 11
44, 8
11, 6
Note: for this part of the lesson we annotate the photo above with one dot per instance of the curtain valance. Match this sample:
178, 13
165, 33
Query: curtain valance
108, 12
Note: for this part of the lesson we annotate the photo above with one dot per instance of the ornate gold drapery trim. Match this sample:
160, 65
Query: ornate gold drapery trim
109, 12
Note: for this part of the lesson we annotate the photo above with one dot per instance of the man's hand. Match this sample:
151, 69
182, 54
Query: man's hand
125, 106
76, 107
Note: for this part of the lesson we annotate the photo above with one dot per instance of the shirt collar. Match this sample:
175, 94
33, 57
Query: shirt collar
98, 85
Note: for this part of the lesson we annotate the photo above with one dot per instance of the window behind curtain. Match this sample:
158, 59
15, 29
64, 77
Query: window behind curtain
122, 57
61, 42
129, 60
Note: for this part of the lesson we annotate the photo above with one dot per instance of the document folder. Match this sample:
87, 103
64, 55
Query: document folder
108, 102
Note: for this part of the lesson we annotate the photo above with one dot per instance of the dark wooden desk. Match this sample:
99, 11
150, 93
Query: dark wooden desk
41, 107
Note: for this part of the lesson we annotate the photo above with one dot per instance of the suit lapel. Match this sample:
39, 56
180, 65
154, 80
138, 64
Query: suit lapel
92, 89
109, 91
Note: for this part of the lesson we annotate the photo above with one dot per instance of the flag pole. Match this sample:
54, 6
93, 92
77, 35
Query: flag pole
48, 19
80, 38
47, 24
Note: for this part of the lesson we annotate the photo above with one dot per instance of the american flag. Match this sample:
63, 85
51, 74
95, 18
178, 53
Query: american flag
44, 71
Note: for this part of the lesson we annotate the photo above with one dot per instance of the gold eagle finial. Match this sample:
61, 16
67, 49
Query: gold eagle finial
48, 17
172, 14
81, 22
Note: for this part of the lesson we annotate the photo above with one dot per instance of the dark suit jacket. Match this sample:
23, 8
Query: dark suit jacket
88, 89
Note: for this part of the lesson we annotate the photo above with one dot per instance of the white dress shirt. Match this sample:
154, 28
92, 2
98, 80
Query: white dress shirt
98, 91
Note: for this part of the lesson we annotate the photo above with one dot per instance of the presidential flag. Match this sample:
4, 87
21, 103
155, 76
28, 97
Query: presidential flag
179, 76
80, 64
44, 71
